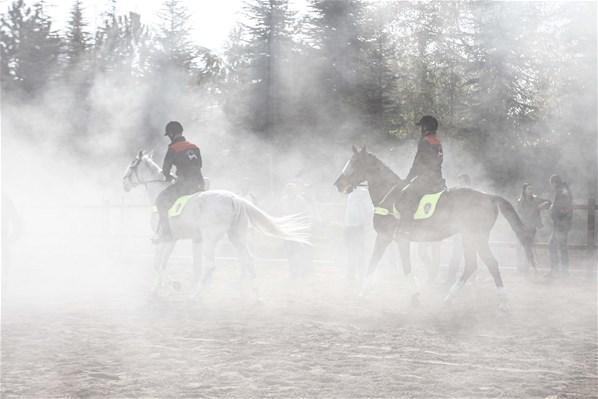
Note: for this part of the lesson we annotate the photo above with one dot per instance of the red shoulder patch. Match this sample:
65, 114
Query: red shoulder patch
182, 146
432, 139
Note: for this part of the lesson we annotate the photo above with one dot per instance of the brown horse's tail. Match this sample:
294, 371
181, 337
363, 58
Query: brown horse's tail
524, 235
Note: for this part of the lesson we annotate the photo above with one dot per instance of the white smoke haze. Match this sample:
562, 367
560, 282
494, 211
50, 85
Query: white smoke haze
79, 318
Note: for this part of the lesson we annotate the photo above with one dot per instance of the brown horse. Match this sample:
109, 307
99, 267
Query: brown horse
463, 211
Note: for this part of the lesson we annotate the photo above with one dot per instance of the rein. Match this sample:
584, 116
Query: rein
146, 182
393, 188
379, 210
138, 181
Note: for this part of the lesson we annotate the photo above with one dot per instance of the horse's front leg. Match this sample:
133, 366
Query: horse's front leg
404, 246
162, 253
382, 241
470, 255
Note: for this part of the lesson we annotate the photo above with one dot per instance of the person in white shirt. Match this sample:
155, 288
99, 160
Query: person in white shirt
358, 219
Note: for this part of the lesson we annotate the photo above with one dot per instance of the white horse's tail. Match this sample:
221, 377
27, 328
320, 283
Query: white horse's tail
291, 228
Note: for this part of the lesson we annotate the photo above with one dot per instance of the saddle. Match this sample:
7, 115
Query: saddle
177, 208
427, 205
425, 208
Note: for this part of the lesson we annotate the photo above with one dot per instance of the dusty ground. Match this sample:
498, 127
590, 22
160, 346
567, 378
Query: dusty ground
94, 332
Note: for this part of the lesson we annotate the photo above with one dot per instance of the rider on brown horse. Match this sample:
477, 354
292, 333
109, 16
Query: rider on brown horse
186, 157
425, 175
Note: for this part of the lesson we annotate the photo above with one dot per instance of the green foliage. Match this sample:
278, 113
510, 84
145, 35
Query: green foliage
78, 40
123, 44
29, 48
258, 56
514, 77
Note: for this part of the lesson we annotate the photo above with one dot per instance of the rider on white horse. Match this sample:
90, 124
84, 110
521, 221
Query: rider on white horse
186, 157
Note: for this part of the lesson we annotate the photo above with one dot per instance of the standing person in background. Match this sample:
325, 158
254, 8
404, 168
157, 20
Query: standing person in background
561, 213
529, 207
300, 256
358, 218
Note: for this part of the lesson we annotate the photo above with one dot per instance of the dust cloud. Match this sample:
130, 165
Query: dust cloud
80, 318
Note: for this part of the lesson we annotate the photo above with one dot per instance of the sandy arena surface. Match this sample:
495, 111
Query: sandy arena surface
97, 333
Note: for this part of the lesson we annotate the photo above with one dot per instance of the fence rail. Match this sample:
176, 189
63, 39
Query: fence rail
104, 208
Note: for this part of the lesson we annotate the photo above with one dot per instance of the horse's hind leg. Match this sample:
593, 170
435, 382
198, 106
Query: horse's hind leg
382, 241
429, 254
196, 246
162, 253
209, 257
470, 255
239, 241
488, 258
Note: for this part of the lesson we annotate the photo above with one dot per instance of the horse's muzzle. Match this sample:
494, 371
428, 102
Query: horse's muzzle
342, 185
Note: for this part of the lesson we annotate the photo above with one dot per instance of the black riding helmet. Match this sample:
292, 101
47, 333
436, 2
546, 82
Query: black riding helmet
429, 123
173, 128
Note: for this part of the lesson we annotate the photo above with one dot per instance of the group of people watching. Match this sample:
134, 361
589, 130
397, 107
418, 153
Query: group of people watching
530, 207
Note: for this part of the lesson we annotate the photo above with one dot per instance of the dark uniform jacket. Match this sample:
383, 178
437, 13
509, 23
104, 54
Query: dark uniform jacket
561, 210
186, 157
427, 165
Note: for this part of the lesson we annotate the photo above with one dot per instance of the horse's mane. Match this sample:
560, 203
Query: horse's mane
152, 164
385, 169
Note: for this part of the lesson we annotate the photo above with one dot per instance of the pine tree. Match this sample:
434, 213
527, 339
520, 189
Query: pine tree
123, 44
258, 56
502, 96
30, 48
77, 38
379, 86
338, 36
174, 37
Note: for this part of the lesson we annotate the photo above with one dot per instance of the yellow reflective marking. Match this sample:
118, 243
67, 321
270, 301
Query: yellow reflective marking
381, 211
427, 206
177, 208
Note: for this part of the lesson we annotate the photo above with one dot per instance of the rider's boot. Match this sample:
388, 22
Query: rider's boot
164, 233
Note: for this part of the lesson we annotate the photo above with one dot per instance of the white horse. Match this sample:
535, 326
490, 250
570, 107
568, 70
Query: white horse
206, 218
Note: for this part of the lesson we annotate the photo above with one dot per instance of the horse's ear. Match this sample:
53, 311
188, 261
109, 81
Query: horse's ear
151, 154
355, 151
364, 149
139, 154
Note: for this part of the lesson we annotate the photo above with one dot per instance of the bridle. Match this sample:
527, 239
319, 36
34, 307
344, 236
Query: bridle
133, 171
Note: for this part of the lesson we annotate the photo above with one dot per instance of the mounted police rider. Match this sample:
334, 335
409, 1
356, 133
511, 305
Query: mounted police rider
186, 157
425, 175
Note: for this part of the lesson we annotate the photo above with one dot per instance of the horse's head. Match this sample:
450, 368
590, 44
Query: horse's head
355, 171
141, 170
